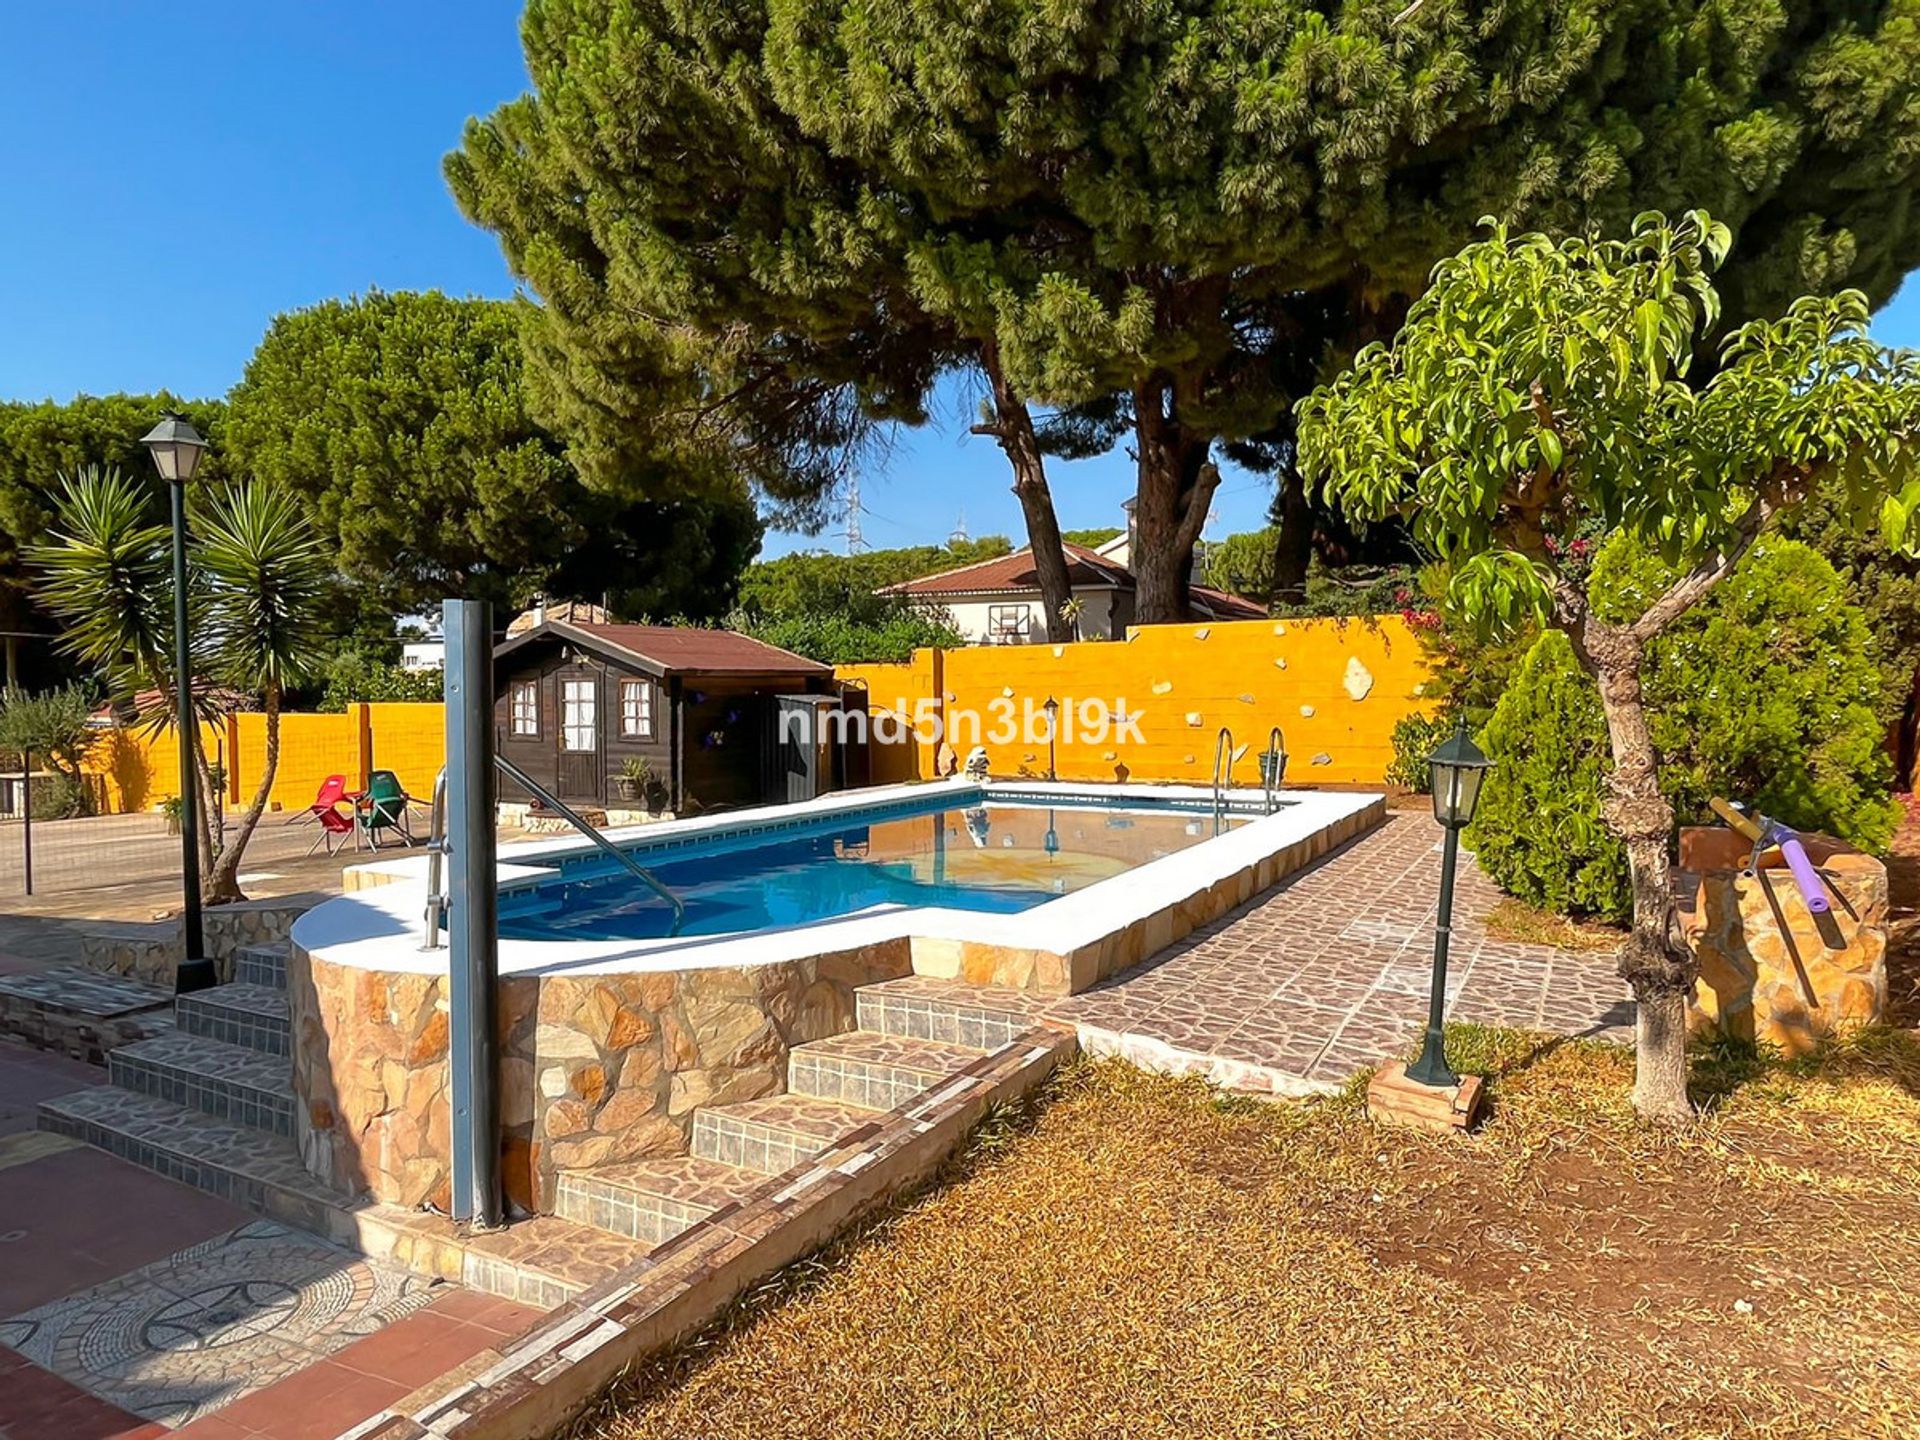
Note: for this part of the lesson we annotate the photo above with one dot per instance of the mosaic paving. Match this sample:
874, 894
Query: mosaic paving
1328, 973
187, 1334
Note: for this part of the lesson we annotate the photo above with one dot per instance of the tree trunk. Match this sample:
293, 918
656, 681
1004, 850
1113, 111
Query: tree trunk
1655, 961
1013, 431
1176, 481
1293, 537
223, 880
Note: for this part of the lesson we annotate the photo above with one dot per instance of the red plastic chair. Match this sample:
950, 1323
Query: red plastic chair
333, 825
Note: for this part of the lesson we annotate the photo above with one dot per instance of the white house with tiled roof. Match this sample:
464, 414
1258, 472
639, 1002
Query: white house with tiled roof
998, 601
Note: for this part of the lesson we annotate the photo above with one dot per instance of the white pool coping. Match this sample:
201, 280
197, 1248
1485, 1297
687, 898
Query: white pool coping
380, 927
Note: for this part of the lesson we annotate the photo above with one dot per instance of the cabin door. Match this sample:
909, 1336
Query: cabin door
579, 773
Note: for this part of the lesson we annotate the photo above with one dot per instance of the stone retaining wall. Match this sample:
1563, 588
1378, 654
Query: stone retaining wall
594, 1070
1049, 973
151, 952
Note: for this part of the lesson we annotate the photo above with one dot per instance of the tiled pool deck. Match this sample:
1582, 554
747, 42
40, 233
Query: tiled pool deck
1328, 973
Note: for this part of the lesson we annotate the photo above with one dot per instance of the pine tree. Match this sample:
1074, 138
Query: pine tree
1151, 209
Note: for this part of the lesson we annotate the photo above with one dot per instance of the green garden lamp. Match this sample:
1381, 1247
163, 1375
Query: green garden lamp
177, 450
1457, 769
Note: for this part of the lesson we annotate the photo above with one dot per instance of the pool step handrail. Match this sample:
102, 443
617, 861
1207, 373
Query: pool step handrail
437, 847
1222, 771
1273, 770
566, 812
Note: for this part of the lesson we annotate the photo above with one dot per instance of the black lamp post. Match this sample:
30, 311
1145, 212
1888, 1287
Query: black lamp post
1457, 768
177, 449
1052, 707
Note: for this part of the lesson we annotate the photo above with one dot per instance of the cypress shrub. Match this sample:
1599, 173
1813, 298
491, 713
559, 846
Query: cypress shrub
1765, 693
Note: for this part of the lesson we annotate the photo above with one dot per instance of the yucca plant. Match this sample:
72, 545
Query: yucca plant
264, 571
255, 574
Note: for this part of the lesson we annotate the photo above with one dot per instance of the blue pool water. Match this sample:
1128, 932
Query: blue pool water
1002, 858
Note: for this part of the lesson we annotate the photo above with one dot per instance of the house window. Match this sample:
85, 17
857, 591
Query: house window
524, 708
577, 722
1007, 624
636, 709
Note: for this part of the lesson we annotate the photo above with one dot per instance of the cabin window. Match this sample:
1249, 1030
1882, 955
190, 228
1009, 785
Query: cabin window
524, 707
636, 709
577, 722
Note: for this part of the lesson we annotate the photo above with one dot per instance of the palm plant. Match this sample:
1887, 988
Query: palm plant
265, 572
255, 573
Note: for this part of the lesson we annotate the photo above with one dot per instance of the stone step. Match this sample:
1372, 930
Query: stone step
237, 1162
874, 1071
774, 1133
652, 1200
544, 1261
263, 964
918, 1007
239, 1014
229, 1082
82, 1013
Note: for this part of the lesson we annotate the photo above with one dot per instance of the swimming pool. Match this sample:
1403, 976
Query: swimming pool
998, 857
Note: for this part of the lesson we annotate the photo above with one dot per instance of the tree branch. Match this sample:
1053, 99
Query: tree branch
1691, 588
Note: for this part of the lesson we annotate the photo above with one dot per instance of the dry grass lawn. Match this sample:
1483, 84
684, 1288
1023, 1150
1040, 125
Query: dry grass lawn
1138, 1258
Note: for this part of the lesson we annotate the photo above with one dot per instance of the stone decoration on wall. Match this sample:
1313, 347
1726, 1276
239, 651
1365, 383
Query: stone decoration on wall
594, 1070
1770, 969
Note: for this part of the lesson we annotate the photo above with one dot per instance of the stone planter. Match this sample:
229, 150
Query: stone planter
1770, 970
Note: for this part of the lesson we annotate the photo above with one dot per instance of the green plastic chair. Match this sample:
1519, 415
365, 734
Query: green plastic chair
384, 807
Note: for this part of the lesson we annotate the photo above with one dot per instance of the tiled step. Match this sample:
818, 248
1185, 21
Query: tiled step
81, 1012
544, 1261
774, 1133
264, 964
652, 1200
918, 1007
236, 1162
876, 1072
239, 1014
229, 1082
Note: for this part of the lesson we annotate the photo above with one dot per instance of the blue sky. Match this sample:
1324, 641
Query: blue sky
182, 173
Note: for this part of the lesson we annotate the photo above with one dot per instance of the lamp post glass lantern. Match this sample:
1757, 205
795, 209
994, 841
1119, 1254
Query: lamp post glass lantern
1456, 769
177, 449
1052, 707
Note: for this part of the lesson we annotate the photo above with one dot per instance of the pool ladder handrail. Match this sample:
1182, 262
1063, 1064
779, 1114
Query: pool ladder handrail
436, 846
1222, 772
1274, 771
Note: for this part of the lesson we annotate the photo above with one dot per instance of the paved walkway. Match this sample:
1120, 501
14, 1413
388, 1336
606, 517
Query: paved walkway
130, 1303
1329, 973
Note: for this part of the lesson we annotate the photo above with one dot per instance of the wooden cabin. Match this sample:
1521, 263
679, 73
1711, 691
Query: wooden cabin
574, 702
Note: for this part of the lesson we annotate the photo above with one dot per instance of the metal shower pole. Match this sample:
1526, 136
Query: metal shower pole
472, 914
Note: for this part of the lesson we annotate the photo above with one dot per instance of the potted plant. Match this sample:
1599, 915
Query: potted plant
633, 778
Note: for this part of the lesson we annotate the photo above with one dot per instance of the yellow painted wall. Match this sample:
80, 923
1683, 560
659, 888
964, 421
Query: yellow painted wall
901, 692
411, 741
1336, 688
137, 771
312, 747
